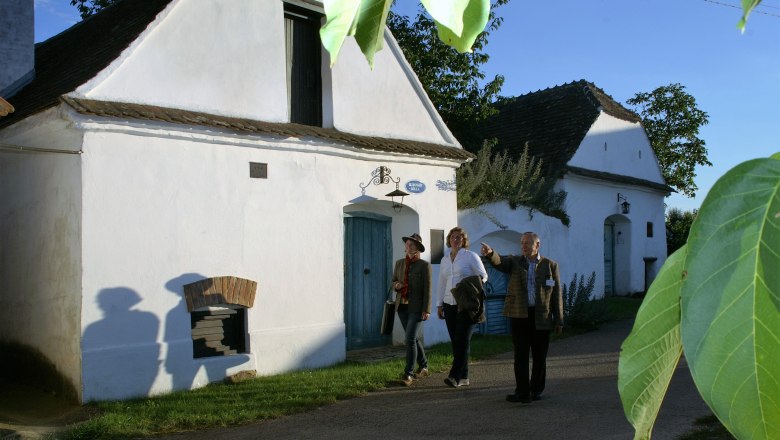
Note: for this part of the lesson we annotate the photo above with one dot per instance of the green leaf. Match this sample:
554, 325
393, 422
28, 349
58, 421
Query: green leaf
448, 14
461, 33
364, 19
651, 352
459, 23
747, 6
731, 300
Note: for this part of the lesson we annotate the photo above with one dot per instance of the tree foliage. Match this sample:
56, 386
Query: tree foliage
90, 7
452, 80
672, 122
717, 299
678, 224
492, 178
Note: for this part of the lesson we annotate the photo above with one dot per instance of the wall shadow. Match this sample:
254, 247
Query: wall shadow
121, 348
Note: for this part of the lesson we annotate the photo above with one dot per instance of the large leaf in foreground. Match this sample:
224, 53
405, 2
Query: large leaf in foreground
731, 300
365, 19
651, 352
460, 23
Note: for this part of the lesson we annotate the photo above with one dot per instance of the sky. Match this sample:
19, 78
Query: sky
625, 47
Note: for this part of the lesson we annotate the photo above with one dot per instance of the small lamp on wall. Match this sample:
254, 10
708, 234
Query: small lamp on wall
380, 176
625, 207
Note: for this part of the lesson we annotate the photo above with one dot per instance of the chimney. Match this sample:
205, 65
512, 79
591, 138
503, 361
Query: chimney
17, 45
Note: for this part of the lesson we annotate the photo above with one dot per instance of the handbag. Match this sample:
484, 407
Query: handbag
388, 314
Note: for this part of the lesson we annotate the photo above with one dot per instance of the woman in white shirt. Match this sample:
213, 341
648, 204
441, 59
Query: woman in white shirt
455, 266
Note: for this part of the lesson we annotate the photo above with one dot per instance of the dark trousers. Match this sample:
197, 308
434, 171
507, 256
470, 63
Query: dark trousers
460, 327
526, 338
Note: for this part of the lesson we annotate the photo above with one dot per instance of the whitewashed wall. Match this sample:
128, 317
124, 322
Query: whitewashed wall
160, 210
620, 147
40, 222
149, 207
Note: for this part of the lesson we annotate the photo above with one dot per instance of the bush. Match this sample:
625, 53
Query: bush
579, 308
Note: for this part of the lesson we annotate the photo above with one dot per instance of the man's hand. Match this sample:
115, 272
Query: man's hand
485, 249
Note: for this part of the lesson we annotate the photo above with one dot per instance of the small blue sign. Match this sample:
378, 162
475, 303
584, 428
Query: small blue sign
415, 186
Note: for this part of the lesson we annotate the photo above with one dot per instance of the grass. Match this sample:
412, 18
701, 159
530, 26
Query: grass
221, 405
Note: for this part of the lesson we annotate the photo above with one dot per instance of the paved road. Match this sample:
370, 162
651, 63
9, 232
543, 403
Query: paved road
581, 402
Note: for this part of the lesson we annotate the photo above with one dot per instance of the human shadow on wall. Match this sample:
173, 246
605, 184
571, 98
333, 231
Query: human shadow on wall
180, 362
121, 349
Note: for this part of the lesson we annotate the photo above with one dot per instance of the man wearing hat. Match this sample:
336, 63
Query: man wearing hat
412, 284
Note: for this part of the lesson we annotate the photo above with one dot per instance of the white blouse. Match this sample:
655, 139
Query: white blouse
466, 264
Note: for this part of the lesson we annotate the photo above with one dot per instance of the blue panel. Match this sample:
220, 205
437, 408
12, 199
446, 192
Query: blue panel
495, 290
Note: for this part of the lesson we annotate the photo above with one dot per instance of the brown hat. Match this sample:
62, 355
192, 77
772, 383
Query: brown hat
417, 240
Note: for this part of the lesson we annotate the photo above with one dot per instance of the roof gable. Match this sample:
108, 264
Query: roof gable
73, 57
552, 122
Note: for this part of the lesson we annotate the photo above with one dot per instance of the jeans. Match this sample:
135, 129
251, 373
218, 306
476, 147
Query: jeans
525, 338
460, 327
415, 353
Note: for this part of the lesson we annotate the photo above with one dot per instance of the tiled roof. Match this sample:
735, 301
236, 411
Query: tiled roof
240, 125
601, 175
553, 122
73, 57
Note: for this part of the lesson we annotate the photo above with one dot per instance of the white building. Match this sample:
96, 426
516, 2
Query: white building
206, 143
601, 156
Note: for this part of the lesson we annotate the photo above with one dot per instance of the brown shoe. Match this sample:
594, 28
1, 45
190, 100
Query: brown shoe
422, 372
407, 379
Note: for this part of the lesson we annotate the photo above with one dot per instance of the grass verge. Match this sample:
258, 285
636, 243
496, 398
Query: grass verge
222, 405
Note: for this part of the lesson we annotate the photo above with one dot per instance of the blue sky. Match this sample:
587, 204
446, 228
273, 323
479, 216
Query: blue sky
625, 47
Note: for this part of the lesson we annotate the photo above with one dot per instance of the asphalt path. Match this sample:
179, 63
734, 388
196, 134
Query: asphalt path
581, 401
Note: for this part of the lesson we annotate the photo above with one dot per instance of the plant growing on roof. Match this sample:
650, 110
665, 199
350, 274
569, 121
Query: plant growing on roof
492, 178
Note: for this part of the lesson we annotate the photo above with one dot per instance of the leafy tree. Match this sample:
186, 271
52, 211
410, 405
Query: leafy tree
717, 299
89, 7
678, 223
672, 122
451, 79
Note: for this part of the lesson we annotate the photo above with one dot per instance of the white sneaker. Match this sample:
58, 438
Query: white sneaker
463, 383
451, 382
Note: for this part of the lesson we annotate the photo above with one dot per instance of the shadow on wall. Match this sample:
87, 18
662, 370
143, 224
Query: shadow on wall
179, 360
122, 349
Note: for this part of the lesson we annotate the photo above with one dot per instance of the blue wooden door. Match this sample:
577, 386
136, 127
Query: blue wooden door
367, 266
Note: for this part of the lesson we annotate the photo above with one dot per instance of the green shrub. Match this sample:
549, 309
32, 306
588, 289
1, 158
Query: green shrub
579, 308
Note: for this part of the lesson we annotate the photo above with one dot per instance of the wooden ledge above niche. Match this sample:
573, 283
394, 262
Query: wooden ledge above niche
220, 290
